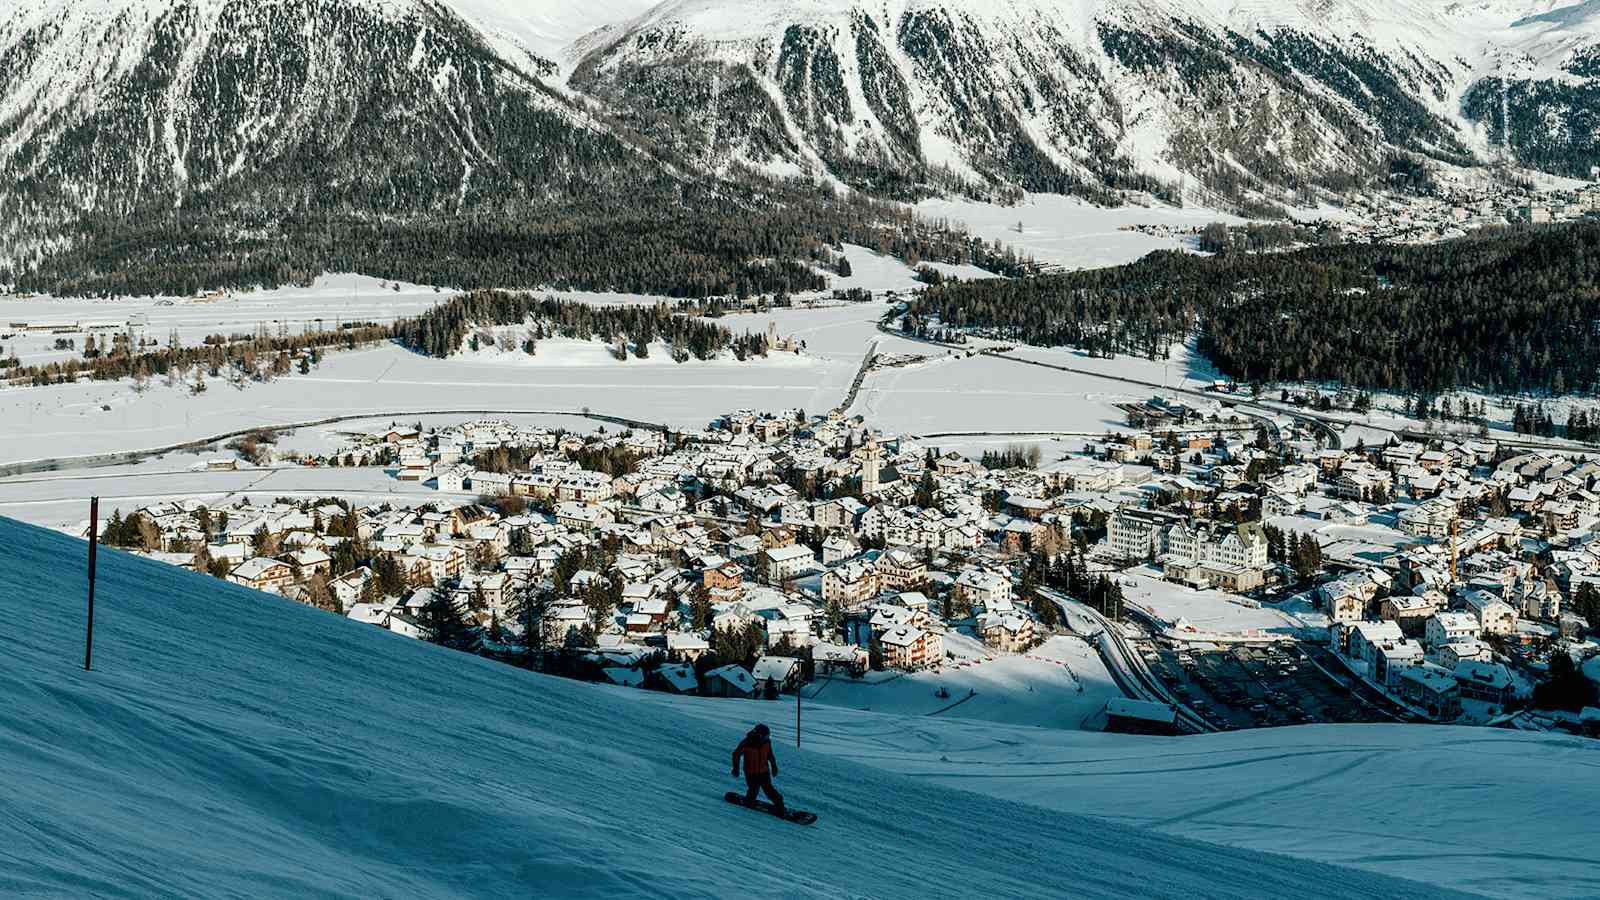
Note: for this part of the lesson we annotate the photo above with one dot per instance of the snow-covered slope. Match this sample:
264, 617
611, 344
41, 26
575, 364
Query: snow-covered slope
1501, 813
1244, 97
233, 744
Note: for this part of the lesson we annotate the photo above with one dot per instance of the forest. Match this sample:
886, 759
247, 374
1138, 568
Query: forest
1502, 311
446, 328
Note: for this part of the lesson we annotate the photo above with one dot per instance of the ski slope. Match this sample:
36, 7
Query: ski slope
233, 744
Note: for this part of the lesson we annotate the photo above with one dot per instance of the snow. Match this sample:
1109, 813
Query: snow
1061, 684
61, 499
232, 743
330, 300
1211, 613
1493, 812
391, 381
1066, 231
957, 392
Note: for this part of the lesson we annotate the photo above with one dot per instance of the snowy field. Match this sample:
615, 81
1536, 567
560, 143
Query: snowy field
57, 500
979, 393
230, 743
1068, 232
1210, 612
1061, 684
328, 302
73, 419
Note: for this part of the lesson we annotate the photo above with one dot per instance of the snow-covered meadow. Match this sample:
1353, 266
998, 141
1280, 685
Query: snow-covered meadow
1067, 232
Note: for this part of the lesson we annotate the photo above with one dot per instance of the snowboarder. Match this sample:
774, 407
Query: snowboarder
760, 766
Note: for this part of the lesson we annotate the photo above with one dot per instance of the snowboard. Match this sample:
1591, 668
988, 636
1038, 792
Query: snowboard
797, 816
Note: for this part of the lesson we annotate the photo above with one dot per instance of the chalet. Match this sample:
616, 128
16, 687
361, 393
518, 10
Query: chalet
909, 647
1485, 682
686, 647
262, 574
1007, 632
983, 588
831, 659
729, 681
1431, 688
775, 675
674, 679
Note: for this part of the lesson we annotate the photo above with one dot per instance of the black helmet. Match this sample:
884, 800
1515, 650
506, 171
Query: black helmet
761, 730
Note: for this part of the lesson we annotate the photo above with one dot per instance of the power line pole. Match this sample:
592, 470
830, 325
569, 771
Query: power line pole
94, 543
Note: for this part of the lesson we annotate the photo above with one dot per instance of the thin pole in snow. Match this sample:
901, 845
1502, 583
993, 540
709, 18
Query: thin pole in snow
797, 694
94, 543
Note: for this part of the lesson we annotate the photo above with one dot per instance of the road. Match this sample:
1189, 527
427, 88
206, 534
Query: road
1126, 664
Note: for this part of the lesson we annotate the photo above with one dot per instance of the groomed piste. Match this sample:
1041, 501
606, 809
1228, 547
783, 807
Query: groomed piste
229, 743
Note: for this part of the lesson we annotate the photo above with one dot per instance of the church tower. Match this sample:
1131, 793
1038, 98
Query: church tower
871, 464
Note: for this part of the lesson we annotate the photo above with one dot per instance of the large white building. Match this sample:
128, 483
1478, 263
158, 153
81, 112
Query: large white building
1244, 545
1140, 534
784, 563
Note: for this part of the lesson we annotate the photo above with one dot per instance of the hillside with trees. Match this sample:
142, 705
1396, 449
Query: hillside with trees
1505, 310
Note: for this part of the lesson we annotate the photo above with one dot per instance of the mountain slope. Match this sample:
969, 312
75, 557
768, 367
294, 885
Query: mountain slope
231, 743
1365, 796
1249, 99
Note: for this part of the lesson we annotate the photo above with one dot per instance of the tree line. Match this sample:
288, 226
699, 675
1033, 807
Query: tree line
1502, 311
446, 328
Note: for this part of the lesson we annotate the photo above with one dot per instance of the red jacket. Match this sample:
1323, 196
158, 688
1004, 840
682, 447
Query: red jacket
756, 755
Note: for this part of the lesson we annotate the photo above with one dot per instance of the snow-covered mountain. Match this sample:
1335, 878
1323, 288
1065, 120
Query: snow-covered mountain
188, 107
230, 743
1242, 96
244, 115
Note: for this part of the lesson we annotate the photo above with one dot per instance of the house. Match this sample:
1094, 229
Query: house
831, 659
839, 547
453, 479
674, 679
1006, 632
1486, 682
730, 681
1446, 628
1494, 615
787, 562
1409, 611
582, 517
900, 569
311, 561
1381, 649
723, 576
1452, 655
909, 647
348, 588
262, 574
982, 588
850, 585
1430, 688
686, 647
775, 675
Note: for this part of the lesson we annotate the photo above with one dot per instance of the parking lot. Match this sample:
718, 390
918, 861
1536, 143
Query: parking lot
1256, 686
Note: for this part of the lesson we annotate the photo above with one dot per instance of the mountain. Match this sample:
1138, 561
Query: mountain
1227, 101
230, 743
178, 144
